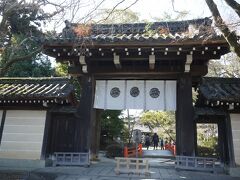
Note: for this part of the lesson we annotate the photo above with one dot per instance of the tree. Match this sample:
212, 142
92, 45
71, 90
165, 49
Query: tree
111, 124
130, 122
160, 119
227, 66
117, 16
21, 24
19, 29
39, 67
230, 35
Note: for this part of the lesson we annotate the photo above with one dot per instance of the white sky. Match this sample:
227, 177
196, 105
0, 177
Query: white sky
154, 8
149, 9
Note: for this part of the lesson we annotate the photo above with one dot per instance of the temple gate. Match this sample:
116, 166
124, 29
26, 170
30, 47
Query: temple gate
166, 52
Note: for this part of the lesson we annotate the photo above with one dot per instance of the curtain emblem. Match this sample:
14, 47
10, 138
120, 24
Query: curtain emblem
134, 92
154, 93
115, 92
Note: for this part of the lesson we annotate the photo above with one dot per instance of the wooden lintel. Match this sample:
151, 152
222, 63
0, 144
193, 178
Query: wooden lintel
196, 70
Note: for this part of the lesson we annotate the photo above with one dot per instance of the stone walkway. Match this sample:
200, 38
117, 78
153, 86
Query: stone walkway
160, 168
157, 153
105, 171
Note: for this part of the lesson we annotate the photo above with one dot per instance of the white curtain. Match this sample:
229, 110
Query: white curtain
135, 94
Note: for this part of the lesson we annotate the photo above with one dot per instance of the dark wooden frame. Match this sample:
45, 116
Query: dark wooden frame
2, 124
224, 135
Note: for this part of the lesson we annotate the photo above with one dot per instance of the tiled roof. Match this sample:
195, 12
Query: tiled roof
220, 89
158, 32
35, 89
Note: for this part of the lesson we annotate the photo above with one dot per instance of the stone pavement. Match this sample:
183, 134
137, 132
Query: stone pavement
160, 168
157, 153
104, 170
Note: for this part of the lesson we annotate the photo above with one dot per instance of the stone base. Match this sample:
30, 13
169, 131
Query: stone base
234, 172
21, 164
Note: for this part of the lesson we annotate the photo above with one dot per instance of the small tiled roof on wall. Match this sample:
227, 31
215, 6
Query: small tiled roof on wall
35, 90
220, 91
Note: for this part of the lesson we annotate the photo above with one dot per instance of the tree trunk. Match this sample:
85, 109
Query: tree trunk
230, 37
234, 5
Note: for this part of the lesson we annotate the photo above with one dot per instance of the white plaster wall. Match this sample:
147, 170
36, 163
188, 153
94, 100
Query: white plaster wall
23, 134
235, 123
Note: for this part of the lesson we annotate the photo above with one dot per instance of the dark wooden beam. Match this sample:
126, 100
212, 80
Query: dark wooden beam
184, 117
141, 70
96, 130
46, 135
66, 52
85, 113
2, 124
229, 142
175, 45
134, 56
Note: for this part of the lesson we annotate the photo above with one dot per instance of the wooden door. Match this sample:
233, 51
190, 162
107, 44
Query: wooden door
63, 133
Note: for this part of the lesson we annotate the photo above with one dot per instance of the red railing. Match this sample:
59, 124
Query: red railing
171, 148
131, 151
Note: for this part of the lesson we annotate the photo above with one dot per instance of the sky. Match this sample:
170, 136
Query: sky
149, 9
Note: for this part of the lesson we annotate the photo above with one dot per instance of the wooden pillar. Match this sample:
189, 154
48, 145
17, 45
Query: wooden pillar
195, 137
85, 114
221, 147
229, 141
96, 131
46, 138
2, 124
184, 117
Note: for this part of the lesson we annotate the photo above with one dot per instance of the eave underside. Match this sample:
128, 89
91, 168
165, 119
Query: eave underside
170, 60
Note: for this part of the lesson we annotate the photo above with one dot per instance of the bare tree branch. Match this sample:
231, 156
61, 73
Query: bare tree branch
113, 9
230, 36
234, 5
90, 13
180, 12
130, 5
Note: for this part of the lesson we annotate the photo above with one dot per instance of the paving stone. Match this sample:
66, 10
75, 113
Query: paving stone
105, 171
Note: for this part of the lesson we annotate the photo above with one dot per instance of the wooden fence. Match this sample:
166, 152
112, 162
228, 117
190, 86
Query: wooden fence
132, 166
196, 163
71, 158
171, 148
131, 151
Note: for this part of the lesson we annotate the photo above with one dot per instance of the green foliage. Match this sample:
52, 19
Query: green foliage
207, 140
20, 27
204, 151
40, 67
129, 123
148, 30
165, 120
77, 87
114, 150
111, 124
61, 69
